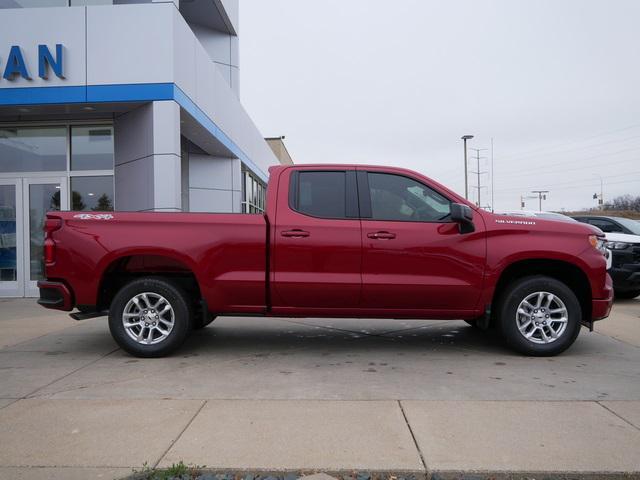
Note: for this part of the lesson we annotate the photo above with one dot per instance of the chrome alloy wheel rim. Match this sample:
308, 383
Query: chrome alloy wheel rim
542, 317
148, 318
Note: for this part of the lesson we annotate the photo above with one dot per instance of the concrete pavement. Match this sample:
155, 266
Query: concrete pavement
402, 397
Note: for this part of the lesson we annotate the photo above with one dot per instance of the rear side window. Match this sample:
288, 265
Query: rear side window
320, 194
605, 225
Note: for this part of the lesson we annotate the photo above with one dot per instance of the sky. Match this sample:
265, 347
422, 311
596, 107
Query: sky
555, 83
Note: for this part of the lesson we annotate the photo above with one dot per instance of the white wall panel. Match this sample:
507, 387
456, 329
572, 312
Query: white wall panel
215, 201
133, 185
237, 201
130, 44
235, 51
217, 44
133, 134
225, 71
166, 127
206, 171
167, 186
184, 55
29, 27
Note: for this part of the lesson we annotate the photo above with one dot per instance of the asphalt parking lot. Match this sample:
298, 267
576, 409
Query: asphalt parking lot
279, 394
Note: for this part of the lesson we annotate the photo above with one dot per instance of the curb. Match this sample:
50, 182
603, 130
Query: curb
226, 474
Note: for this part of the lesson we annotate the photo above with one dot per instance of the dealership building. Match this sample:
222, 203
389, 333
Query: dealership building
130, 105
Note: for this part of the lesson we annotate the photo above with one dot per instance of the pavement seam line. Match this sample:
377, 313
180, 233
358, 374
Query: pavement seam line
29, 395
617, 415
14, 401
413, 437
173, 442
13, 345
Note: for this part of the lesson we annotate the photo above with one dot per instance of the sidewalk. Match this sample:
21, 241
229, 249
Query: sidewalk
67, 410
443, 439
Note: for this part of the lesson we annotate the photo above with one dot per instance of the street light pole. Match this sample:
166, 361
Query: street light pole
466, 174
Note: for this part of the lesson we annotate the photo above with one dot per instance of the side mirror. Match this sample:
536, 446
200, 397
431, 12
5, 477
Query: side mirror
463, 216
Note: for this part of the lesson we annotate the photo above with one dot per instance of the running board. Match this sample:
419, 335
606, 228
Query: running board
88, 315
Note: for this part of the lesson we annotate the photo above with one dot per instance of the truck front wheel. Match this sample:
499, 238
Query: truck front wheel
150, 317
539, 316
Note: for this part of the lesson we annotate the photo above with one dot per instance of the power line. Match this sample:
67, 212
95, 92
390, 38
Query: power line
528, 171
630, 127
559, 152
573, 184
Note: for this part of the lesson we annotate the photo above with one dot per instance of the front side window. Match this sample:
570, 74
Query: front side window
322, 194
399, 198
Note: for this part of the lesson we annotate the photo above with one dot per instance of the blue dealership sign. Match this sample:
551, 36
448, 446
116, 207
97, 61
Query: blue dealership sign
16, 66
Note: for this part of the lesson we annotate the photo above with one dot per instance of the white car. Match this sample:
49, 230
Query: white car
533, 213
554, 216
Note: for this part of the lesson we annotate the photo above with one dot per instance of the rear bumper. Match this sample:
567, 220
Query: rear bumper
55, 295
600, 307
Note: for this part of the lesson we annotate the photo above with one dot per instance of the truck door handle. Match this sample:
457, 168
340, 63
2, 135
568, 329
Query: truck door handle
295, 233
381, 235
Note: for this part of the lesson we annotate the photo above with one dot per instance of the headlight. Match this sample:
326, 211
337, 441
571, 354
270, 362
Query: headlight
617, 245
597, 243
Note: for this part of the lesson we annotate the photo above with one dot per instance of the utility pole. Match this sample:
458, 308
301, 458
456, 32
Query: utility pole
542, 195
523, 198
478, 172
601, 198
466, 173
493, 206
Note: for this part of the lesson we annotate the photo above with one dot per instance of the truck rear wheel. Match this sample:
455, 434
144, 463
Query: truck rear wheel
150, 317
539, 316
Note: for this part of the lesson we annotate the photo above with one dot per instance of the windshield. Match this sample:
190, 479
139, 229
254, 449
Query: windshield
632, 225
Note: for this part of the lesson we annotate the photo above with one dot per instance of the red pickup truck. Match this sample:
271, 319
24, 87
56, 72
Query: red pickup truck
335, 241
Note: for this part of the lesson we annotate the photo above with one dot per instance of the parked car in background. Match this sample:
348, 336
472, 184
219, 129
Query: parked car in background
623, 239
533, 213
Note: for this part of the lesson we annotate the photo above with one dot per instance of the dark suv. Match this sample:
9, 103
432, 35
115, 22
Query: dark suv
623, 239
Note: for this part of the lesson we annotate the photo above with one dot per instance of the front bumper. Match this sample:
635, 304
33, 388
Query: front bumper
600, 307
55, 295
625, 270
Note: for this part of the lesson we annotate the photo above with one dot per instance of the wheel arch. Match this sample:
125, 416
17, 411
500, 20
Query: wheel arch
121, 269
568, 273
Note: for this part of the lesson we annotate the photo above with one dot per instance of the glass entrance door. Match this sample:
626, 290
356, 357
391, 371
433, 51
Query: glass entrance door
11, 238
39, 196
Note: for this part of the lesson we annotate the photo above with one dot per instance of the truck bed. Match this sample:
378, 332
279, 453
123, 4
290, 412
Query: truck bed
225, 250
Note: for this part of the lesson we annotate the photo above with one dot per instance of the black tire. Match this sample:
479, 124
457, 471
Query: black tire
181, 314
507, 316
627, 294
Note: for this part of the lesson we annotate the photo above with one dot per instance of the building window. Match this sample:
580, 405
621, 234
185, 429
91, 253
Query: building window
92, 147
33, 3
92, 193
253, 193
33, 149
